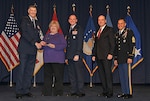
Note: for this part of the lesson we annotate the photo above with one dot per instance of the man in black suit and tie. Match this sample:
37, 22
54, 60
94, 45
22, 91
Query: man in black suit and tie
29, 43
74, 57
103, 54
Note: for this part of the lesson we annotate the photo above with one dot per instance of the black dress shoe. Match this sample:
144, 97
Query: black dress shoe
127, 96
42, 95
120, 95
102, 94
72, 94
18, 96
109, 95
46, 94
80, 94
58, 94
29, 95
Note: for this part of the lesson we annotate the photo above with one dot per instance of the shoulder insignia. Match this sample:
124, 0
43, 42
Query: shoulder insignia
128, 29
133, 39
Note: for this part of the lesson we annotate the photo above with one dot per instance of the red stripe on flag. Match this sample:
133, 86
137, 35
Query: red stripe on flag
10, 49
4, 61
17, 36
7, 54
13, 43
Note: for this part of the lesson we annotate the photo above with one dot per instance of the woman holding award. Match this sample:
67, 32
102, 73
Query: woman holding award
54, 59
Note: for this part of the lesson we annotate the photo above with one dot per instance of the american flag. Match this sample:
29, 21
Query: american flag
9, 39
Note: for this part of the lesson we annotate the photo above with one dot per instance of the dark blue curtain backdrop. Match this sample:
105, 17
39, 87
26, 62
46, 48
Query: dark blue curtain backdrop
139, 12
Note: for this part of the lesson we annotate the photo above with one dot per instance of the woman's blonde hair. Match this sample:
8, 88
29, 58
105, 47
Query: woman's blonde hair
53, 22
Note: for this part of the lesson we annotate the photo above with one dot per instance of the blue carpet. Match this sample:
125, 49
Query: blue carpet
140, 93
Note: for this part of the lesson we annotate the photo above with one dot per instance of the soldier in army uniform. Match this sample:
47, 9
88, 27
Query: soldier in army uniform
124, 53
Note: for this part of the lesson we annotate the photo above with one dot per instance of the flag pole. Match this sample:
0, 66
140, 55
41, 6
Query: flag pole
128, 10
34, 77
91, 81
34, 82
73, 8
91, 76
107, 7
53, 77
10, 84
54, 8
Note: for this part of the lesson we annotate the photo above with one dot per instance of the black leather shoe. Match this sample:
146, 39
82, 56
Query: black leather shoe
58, 94
127, 96
102, 94
29, 95
72, 94
42, 94
109, 95
120, 95
80, 94
18, 96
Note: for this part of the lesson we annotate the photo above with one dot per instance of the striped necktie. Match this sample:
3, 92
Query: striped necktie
99, 33
33, 20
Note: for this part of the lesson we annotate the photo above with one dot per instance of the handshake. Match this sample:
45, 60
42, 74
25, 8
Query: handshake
43, 43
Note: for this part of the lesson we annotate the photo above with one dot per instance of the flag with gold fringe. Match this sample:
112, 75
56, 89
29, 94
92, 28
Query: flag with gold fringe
9, 39
88, 44
138, 58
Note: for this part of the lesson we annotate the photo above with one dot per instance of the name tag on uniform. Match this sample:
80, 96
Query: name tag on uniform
74, 37
124, 41
74, 32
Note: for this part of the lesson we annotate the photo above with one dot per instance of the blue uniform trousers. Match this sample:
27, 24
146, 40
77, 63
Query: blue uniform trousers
125, 78
25, 73
75, 69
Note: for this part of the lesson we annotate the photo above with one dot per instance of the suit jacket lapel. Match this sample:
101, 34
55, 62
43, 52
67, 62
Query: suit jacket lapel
30, 20
75, 28
104, 30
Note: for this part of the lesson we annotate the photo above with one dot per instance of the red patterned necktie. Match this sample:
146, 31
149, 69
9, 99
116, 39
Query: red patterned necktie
99, 33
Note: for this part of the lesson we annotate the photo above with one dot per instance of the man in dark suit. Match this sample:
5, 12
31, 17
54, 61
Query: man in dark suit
103, 54
74, 57
123, 57
29, 43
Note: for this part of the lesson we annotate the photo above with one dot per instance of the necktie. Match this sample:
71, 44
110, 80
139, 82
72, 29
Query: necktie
70, 29
99, 33
119, 32
33, 20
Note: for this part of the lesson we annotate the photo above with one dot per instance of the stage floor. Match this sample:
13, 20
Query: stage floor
140, 93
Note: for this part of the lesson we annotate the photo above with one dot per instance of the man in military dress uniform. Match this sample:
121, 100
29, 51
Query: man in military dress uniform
29, 43
124, 53
74, 57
